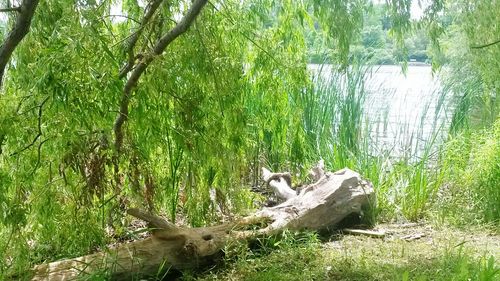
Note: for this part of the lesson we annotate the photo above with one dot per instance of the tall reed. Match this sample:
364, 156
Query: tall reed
338, 129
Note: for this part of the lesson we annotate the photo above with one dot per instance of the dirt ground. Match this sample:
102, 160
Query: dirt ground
419, 240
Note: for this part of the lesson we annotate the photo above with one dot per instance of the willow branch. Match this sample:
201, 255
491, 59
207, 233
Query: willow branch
160, 46
180, 28
39, 129
20, 29
135, 37
122, 16
486, 45
2, 139
266, 52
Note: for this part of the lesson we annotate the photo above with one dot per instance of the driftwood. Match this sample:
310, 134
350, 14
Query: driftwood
371, 233
414, 236
317, 206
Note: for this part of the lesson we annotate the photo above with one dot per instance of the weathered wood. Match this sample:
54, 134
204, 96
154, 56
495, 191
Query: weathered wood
320, 205
317, 171
371, 233
414, 236
281, 183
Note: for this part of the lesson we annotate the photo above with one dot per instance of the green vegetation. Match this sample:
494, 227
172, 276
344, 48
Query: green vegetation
230, 95
473, 164
377, 42
304, 257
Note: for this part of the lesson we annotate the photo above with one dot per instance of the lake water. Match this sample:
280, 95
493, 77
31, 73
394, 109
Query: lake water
404, 112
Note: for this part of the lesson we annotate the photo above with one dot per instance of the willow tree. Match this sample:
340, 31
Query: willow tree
110, 104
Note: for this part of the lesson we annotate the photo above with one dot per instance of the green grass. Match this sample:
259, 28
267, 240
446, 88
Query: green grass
445, 255
471, 193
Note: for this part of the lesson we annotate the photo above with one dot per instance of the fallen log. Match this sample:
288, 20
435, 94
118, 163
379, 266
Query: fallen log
321, 205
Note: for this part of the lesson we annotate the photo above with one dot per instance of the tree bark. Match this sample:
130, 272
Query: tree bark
20, 29
321, 205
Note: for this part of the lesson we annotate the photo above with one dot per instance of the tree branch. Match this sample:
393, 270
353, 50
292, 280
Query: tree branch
486, 45
180, 28
142, 64
2, 139
12, 9
39, 127
135, 37
121, 16
20, 29
153, 220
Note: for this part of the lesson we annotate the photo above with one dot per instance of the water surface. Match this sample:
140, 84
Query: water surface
403, 111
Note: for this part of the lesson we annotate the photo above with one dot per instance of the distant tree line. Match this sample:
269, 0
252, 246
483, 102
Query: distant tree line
376, 43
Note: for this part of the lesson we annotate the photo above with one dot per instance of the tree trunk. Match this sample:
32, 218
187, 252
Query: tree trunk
320, 205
